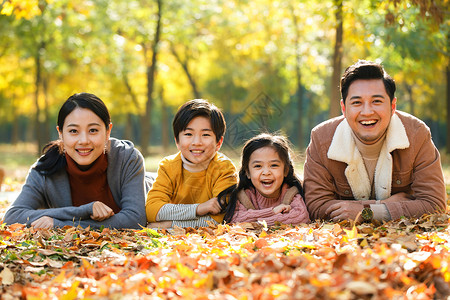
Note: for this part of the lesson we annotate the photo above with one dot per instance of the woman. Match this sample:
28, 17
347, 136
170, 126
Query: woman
85, 177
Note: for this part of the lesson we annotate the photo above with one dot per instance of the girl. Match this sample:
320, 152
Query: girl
268, 188
86, 177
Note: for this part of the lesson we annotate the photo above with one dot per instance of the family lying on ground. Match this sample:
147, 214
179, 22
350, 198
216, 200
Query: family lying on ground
373, 163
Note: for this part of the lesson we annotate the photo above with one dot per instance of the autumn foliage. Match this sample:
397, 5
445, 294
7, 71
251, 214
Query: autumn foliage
405, 259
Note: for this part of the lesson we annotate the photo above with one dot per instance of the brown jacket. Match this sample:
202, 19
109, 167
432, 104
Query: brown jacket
409, 162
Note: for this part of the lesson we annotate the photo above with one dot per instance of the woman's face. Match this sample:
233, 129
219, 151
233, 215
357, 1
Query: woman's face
84, 136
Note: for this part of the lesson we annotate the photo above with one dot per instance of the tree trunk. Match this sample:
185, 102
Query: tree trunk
146, 118
337, 62
37, 61
165, 122
300, 136
185, 65
129, 121
15, 122
408, 88
46, 124
448, 104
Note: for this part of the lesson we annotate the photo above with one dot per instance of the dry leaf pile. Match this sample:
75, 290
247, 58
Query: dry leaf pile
406, 259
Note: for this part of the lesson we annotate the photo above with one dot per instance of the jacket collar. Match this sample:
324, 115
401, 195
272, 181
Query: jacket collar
343, 149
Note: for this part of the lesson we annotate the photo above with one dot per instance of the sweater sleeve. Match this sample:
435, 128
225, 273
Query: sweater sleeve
160, 193
298, 213
224, 174
32, 204
132, 194
242, 214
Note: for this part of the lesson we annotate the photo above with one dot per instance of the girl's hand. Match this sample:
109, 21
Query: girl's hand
43, 222
211, 206
101, 211
282, 208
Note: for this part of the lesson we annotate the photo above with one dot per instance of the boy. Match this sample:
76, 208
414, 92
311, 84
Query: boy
184, 193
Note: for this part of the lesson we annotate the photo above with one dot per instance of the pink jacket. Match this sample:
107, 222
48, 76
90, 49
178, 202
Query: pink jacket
252, 206
409, 162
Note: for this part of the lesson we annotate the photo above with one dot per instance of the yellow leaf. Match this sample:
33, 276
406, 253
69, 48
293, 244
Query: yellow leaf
206, 282
353, 233
72, 293
184, 271
364, 243
7, 276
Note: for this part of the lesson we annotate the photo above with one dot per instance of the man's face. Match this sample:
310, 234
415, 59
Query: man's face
368, 109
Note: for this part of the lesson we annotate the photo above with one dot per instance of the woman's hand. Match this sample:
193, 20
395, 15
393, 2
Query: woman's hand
101, 211
43, 223
211, 206
282, 208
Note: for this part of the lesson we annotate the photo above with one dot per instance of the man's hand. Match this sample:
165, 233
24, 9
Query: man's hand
282, 208
159, 225
43, 222
345, 210
211, 206
101, 211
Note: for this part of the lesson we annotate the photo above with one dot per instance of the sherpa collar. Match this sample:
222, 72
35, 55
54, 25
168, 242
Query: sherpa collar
343, 148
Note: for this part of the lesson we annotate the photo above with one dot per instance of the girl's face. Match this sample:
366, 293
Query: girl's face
84, 136
267, 171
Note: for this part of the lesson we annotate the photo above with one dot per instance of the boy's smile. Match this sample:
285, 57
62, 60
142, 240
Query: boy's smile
197, 142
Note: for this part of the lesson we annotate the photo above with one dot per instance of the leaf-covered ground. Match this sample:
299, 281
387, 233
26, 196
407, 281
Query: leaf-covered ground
405, 259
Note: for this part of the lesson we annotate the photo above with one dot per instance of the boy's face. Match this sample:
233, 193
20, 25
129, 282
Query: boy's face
197, 142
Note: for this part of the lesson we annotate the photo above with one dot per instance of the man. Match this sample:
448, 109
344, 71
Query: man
373, 162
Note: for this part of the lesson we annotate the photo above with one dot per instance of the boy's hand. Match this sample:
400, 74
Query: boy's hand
282, 208
101, 211
43, 222
211, 206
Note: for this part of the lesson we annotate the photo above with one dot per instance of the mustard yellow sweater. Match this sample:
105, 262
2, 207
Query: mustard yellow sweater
176, 185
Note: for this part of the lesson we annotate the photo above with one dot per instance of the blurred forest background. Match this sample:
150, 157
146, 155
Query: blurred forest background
270, 65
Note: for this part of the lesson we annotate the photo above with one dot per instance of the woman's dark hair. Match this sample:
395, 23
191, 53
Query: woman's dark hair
281, 145
364, 69
53, 158
199, 108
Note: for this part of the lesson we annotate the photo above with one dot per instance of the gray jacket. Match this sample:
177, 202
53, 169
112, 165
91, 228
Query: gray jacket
50, 195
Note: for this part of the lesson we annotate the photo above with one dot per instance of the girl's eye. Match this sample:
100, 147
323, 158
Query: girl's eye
187, 134
275, 166
73, 131
256, 166
93, 130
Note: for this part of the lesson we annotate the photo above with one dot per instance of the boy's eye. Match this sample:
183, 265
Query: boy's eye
187, 134
206, 134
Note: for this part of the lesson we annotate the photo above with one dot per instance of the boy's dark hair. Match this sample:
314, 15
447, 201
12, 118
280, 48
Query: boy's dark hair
199, 108
364, 69
281, 145
53, 158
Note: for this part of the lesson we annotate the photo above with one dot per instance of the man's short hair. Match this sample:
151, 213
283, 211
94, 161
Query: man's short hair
199, 108
364, 69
